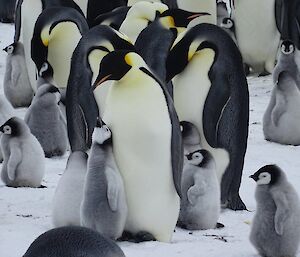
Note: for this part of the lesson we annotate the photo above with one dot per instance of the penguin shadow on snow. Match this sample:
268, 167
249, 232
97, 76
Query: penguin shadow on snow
201, 198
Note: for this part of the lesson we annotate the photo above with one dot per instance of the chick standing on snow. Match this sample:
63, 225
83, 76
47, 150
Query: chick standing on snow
45, 121
24, 162
276, 225
200, 203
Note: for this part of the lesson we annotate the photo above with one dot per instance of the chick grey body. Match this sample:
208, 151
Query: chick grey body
104, 207
16, 84
23, 156
46, 121
69, 191
281, 122
75, 242
275, 230
200, 202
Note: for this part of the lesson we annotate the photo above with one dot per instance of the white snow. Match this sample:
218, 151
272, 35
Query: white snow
26, 213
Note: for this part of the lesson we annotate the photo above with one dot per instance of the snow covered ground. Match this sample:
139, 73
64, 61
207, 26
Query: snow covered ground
26, 213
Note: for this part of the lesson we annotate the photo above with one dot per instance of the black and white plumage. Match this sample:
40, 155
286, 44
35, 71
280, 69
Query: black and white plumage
23, 156
104, 206
276, 225
69, 191
210, 91
16, 84
200, 202
73, 241
222, 12
7, 11
46, 121
228, 25
169, 3
83, 106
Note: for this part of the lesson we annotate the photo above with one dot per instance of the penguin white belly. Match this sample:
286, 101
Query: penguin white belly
60, 50
30, 10
288, 129
209, 6
256, 32
141, 128
133, 27
191, 88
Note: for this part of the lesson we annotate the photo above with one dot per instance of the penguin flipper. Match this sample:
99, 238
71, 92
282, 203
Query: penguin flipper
281, 214
113, 189
196, 191
279, 108
14, 160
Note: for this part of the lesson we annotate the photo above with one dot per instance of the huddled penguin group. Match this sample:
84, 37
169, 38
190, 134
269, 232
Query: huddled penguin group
150, 101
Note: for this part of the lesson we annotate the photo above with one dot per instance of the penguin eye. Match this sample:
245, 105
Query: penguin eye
196, 156
7, 129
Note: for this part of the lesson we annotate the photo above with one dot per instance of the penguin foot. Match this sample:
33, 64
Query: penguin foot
141, 236
219, 225
235, 203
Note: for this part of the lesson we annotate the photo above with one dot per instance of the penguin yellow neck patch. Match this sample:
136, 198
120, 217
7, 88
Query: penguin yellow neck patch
167, 22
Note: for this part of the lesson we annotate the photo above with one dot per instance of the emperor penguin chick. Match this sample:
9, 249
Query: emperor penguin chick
45, 121
16, 84
69, 191
200, 202
23, 156
276, 225
104, 206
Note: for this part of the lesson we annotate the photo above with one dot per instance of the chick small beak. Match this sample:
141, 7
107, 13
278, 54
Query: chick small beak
101, 81
252, 176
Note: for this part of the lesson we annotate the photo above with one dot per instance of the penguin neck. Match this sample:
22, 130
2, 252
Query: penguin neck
132, 27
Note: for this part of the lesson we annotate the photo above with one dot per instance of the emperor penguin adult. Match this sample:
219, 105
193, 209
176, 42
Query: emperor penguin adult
27, 13
139, 16
69, 191
256, 19
210, 91
16, 84
287, 15
209, 6
104, 206
83, 105
276, 225
146, 144
200, 202
166, 27
23, 156
73, 241
46, 122
56, 34
7, 11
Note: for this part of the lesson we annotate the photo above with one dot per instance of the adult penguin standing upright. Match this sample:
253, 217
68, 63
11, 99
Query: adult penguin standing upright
56, 35
287, 15
27, 12
147, 144
83, 106
256, 19
211, 91
209, 6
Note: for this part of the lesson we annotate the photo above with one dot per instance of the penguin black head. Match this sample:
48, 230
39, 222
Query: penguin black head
199, 158
267, 175
183, 51
114, 66
13, 127
287, 47
179, 18
227, 23
10, 48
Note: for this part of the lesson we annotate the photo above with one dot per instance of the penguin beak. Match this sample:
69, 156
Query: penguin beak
102, 80
253, 177
194, 16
